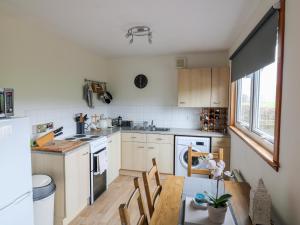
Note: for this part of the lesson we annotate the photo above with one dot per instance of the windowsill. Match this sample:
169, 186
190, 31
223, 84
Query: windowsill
258, 148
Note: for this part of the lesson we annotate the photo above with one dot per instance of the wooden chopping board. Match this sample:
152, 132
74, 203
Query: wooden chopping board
59, 146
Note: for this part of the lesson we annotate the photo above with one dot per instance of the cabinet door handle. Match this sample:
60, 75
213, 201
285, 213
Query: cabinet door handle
181, 102
133, 137
85, 153
150, 147
216, 103
140, 147
158, 139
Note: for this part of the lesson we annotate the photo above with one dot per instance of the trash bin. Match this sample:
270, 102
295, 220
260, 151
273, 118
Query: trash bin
43, 199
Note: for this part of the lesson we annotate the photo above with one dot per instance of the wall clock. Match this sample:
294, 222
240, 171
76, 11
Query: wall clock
140, 81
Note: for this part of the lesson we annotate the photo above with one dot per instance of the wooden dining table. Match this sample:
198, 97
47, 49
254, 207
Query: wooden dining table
169, 209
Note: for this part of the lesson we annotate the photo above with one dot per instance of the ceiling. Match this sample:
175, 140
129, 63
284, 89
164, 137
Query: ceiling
179, 26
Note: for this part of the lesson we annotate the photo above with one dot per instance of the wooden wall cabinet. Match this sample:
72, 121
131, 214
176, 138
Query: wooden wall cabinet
139, 149
203, 87
220, 87
194, 87
114, 156
70, 172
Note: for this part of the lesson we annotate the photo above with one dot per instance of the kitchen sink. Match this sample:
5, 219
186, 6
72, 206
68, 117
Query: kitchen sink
160, 129
147, 128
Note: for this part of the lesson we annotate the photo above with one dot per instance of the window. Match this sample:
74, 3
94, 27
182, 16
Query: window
256, 98
244, 101
256, 86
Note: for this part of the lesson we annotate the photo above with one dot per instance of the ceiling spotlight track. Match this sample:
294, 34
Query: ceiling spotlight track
139, 31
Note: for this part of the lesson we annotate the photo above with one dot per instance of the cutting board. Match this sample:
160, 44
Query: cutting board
59, 146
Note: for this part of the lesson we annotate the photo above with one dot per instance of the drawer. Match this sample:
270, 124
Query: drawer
134, 137
160, 138
220, 142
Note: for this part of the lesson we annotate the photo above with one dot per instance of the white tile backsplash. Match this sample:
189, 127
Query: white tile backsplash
62, 116
163, 116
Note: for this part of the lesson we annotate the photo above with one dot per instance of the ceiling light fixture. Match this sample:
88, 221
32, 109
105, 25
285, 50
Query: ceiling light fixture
139, 31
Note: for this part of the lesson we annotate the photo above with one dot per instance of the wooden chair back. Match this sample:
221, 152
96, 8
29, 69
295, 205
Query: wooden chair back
147, 177
124, 208
191, 154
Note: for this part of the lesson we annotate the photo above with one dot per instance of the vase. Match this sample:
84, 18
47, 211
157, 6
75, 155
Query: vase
217, 215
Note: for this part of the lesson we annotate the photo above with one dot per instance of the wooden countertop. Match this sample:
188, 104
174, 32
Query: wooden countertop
169, 204
59, 146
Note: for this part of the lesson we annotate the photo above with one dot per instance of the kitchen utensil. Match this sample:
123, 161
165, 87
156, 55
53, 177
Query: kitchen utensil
58, 134
81, 118
58, 130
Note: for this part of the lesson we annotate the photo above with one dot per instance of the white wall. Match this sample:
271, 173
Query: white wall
158, 100
45, 70
162, 77
284, 186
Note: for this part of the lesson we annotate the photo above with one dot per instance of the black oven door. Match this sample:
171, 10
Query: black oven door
99, 185
98, 180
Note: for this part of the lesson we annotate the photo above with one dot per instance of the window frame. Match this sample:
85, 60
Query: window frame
259, 145
250, 129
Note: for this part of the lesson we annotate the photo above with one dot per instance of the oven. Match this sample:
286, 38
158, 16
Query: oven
6, 102
98, 168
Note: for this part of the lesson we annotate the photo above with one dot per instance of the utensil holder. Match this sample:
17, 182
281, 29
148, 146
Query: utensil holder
80, 128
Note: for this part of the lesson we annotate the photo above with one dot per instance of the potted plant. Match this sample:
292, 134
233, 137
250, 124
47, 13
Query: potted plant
217, 204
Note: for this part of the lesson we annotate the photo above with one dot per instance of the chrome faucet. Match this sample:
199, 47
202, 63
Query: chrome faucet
152, 126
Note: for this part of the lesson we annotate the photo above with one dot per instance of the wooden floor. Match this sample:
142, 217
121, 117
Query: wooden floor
105, 209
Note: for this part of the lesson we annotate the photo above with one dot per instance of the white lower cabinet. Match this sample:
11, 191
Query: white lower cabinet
70, 172
114, 156
138, 152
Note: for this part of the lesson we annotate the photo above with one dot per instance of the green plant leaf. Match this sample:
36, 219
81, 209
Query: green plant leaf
224, 197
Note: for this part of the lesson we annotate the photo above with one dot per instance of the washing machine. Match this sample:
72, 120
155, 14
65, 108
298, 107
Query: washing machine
199, 144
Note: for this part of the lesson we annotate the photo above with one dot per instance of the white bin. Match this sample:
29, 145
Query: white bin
43, 199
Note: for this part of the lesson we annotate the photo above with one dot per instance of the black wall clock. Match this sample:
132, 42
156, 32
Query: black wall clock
140, 81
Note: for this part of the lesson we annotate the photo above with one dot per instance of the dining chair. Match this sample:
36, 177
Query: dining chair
124, 208
219, 155
147, 178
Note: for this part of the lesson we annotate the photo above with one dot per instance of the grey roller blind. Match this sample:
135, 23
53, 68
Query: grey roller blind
258, 49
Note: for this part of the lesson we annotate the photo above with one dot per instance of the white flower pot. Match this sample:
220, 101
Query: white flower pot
217, 215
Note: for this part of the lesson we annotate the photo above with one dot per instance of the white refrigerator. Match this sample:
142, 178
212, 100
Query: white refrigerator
16, 204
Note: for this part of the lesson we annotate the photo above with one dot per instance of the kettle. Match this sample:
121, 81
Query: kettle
102, 122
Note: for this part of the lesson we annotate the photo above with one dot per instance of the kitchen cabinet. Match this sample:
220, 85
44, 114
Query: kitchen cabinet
77, 181
114, 156
137, 153
152, 151
70, 172
220, 87
203, 87
194, 87
222, 142
139, 156
128, 158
